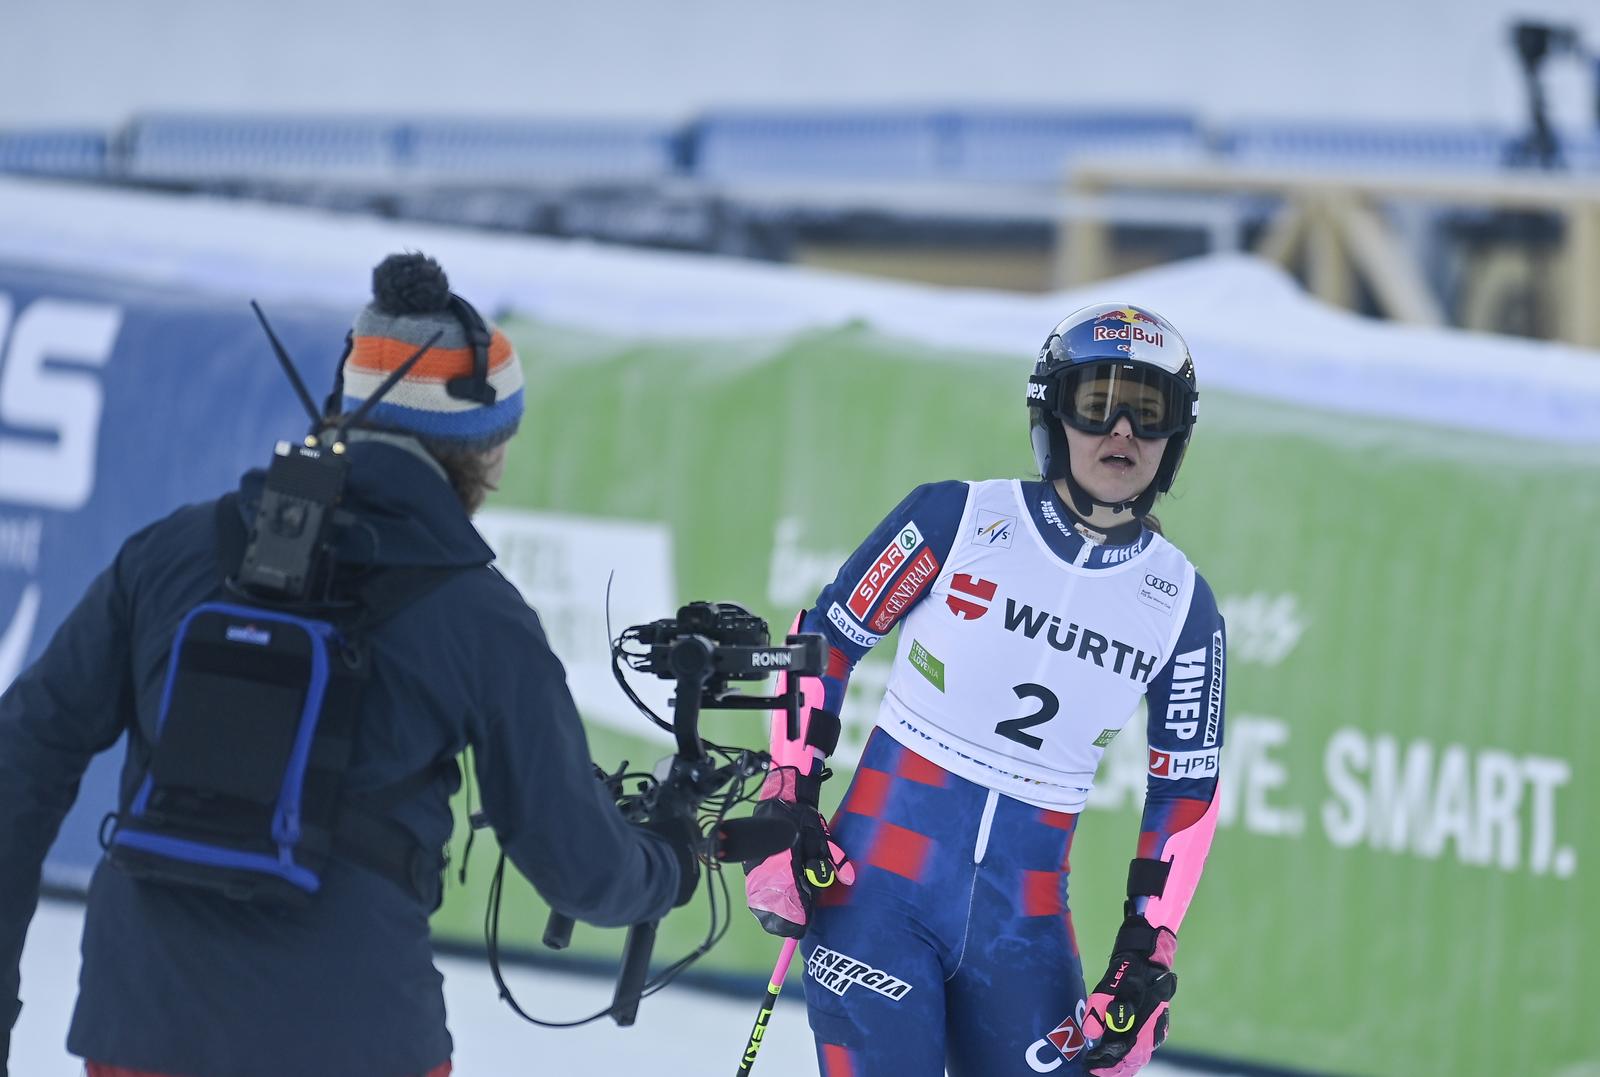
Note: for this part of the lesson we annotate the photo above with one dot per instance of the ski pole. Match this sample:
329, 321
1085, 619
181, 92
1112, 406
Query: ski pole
763, 1015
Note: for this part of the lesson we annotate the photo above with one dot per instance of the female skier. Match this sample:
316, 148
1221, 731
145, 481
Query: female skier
1033, 615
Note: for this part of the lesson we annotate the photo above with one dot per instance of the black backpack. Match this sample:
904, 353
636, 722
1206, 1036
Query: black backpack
242, 793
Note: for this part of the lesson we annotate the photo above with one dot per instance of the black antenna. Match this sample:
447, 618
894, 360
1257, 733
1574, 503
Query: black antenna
288, 368
388, 383
336, 395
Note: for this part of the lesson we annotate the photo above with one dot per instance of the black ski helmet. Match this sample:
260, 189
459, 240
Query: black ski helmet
1128, 339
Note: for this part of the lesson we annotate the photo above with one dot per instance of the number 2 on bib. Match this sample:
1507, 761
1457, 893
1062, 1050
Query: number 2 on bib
1049, 705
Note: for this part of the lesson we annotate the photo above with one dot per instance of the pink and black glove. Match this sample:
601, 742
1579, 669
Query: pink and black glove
1126, 1018
781, 888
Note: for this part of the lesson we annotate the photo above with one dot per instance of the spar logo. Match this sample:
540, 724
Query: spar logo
1067, 1038
873, 582
839, 972
969, 596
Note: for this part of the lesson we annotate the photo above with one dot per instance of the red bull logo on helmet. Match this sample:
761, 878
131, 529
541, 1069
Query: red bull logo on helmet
1133, 334
1130, 315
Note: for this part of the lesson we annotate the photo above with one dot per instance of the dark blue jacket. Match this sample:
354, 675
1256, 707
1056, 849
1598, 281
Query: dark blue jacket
185, 982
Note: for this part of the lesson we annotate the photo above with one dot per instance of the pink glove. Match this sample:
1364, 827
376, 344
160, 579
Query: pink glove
1127, 1018
780, 890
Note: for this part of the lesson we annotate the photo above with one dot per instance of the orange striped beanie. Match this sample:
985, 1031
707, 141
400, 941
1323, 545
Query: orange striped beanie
437, 400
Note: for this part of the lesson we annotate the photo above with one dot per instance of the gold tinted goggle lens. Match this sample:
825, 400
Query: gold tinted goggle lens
1097, 396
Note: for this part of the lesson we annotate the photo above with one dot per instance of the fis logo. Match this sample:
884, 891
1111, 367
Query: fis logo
969, 596
839, 972
994, 530
1176, 766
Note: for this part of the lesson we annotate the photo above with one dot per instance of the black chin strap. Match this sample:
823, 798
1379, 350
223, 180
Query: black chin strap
1084, 503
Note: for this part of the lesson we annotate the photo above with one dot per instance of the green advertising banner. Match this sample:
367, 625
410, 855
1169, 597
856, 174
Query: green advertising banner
1402, 878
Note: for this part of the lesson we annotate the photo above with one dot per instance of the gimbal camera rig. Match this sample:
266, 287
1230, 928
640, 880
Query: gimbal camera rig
703, 649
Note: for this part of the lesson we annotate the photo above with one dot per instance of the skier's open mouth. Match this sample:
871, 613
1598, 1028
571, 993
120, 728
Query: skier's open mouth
1117, 461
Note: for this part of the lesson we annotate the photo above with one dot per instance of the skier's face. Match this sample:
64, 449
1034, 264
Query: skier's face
1117, 466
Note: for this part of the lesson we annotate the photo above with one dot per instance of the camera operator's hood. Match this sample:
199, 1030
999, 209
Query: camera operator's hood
407, 513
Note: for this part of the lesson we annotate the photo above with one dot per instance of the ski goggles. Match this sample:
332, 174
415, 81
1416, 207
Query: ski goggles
1092, 397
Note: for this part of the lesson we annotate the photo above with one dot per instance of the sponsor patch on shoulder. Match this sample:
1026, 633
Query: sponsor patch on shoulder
1158, 593
1106, 737
994, 529
851, 628
873, 582
922, 571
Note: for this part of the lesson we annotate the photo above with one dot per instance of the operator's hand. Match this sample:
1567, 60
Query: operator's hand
1127, 1012
780, 889
684, 838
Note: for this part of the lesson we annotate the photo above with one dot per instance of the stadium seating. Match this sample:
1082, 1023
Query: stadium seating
1365, 147
744, 147
55, 152
199, 147
538, 150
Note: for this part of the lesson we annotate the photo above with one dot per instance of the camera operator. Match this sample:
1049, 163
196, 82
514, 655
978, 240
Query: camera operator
181, 980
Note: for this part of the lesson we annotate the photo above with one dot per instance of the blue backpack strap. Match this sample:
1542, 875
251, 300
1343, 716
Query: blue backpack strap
365, 833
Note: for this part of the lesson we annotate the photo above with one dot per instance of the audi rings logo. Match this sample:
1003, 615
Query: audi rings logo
1161, 585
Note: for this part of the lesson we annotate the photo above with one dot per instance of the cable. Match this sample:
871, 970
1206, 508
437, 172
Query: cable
735, 792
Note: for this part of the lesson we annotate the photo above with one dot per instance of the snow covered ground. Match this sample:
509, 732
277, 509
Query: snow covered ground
679, 1032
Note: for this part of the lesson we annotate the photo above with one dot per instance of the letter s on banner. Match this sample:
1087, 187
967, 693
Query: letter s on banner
57, 470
